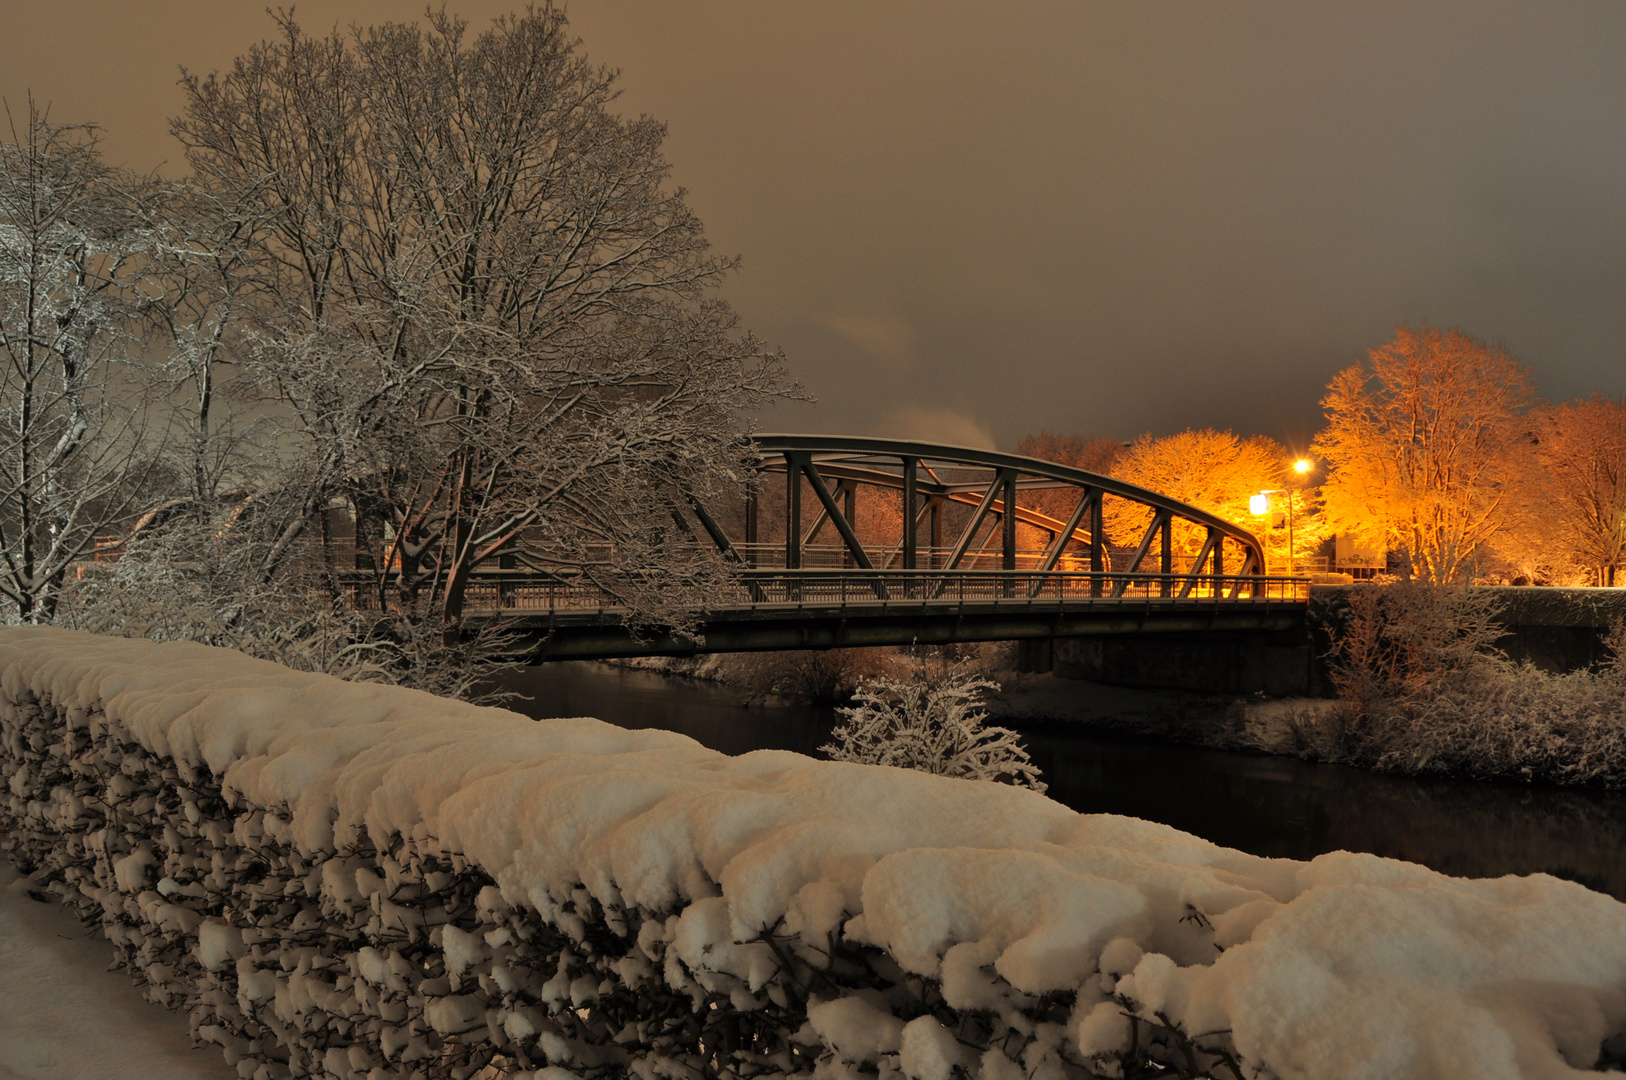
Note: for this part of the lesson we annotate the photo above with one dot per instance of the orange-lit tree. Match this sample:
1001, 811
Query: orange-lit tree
1582, 451
1426, 441
1217, 471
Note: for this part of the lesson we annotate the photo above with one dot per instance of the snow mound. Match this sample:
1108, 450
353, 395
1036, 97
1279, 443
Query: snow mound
1345, 966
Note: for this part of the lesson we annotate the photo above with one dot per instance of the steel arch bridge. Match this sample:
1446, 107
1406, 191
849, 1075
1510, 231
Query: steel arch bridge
849, 541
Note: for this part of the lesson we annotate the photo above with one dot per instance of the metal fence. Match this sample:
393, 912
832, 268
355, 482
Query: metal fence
870, 589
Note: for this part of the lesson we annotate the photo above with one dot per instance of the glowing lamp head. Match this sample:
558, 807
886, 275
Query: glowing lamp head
1259, 505
1303, 466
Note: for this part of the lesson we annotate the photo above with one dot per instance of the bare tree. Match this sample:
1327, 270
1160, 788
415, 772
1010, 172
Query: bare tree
74, 445
1425, 442
192, 295
1581, 448
1095, 453
488, 311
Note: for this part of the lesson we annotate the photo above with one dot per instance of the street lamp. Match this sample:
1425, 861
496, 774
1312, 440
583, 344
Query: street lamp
1259, 506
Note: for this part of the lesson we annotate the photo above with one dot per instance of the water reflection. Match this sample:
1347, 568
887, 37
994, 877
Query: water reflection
1268, 806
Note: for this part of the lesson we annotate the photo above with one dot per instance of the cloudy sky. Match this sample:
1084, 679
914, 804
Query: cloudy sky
966, 221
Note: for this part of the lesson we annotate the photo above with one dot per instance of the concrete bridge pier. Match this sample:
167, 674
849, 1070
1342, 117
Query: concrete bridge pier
1279, 663
1036, 656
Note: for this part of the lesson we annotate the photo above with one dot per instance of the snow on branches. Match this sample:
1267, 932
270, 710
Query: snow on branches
933, 723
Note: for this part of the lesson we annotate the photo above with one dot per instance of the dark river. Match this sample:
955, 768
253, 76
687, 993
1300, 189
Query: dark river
1264, 805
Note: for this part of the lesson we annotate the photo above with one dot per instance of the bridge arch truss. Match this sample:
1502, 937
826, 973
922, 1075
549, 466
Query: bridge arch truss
963, 510
844, 541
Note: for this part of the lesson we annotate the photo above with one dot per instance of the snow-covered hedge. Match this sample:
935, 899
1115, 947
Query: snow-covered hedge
356, 881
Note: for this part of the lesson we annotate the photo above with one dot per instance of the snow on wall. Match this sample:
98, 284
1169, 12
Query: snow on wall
359, 881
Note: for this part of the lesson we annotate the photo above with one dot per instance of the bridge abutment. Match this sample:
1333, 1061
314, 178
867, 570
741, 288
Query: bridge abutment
1274, 663
1554, 629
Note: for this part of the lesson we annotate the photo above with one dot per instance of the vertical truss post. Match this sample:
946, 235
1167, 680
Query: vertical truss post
751, 529
849, 504
934, 528
1007, 540
1165, 542
910, 532
793, 511
1096, 548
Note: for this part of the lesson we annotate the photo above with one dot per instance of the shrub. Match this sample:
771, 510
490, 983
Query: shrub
816, 676
935, 724
1424, 690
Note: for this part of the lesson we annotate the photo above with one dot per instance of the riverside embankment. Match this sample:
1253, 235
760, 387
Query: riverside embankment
1116, 756
1557, 630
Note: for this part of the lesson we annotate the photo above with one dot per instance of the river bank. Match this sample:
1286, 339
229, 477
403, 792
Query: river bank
1427, 693
1277, 726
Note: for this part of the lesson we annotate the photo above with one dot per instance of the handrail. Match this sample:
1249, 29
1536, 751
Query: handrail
880, 590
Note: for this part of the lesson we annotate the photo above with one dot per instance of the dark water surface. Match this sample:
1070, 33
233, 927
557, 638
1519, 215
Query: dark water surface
1264, 805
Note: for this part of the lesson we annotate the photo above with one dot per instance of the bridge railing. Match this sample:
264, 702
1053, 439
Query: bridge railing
872, 588
1028, 588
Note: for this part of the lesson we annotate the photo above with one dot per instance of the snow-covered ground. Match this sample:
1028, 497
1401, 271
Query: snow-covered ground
54, 978
1347, 966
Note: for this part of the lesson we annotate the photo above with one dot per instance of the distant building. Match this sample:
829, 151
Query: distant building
1358, 558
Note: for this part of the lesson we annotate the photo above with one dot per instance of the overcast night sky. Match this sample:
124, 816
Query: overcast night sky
965, 222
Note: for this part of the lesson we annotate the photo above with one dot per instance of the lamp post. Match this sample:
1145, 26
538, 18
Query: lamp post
1259, 506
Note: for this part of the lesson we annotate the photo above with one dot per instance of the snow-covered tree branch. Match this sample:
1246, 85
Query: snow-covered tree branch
76, 444
486, 310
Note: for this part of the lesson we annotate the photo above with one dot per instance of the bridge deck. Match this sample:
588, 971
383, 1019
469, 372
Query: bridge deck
822, 609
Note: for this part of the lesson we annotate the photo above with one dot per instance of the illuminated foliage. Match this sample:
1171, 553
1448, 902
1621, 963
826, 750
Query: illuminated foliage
1581, 448
1426, 442
1217, 471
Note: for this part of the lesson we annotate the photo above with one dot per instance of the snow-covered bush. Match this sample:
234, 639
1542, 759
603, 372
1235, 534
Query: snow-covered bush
934, 723
358, 881
1423, 689
201, 579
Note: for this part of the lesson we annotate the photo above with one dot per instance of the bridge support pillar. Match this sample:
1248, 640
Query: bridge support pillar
1035, 656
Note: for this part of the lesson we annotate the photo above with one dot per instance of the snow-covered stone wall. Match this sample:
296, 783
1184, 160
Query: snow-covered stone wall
358, 881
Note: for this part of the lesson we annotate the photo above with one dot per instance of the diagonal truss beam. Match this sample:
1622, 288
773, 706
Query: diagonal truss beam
1087, 498
988, 499
1250, 565
850, 538
1209, 543
1159, 519
842, 487
720, 538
